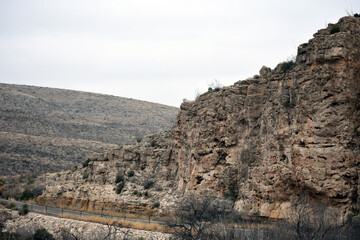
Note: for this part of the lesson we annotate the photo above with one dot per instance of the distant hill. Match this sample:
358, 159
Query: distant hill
47, 129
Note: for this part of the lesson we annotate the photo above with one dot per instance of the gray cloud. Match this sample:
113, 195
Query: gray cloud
160, 51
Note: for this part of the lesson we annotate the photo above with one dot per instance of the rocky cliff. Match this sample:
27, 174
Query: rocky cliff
260, 143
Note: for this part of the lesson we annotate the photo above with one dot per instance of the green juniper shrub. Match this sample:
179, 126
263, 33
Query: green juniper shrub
146, 194
130, 173
42, 234
148, 184
86, 163
335, 29
119, 178
12, 206
30, 180
137, 193
287, 66
154, 144
357, 15
120, 187
85, 175
24, 210
232, 192
26, 195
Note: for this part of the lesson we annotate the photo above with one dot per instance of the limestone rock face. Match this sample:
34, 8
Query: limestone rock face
260, 142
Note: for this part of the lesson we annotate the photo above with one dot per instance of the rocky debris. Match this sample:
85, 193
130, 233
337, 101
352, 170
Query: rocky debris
260, 143
61, 227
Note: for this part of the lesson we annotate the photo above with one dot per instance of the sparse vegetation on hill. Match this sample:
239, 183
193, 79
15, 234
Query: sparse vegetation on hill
46, 130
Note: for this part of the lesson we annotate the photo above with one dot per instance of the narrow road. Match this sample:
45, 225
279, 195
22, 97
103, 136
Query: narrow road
79, 214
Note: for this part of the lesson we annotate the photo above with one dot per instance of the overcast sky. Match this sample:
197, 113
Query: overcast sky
160, 50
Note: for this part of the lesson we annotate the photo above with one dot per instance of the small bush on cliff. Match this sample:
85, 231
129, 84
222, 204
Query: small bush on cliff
155, 144
287, 66
85, 175
357, 15
155, 205
130, 173
120, 187
148, 184
137, 193
119, 178
86, 163
232, 192
215, 85
334, 30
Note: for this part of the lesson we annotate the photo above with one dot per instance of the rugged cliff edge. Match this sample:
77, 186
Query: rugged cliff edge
260, 143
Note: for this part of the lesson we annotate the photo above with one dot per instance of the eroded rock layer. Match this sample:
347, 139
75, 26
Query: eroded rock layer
260, 143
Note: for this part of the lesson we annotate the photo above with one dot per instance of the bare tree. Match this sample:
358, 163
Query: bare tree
311, 221
112, 232
196, 217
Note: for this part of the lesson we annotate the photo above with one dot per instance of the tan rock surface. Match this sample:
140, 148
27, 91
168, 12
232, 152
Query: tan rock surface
260, 142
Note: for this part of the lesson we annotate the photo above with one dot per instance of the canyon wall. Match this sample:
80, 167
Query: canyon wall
260, 143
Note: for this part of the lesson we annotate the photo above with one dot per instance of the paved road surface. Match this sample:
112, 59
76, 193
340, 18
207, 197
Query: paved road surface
59, 211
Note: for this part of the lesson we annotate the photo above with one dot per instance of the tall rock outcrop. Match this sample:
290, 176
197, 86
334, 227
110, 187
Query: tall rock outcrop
259, 143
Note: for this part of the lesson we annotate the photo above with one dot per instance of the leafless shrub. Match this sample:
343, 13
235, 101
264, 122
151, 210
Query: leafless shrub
215, 85
206, 218
196, 217
112, 232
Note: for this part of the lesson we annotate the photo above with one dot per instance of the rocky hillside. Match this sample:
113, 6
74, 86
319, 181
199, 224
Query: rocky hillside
45, 129
260, 143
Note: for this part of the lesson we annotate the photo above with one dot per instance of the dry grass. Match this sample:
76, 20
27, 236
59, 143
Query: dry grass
122, 223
